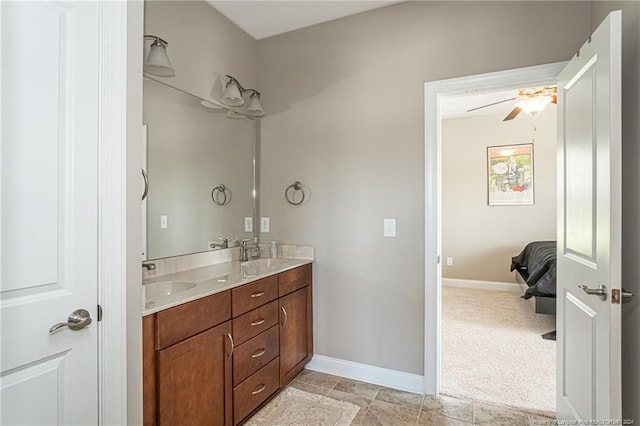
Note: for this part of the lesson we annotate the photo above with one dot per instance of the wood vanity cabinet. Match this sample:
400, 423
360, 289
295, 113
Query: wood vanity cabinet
296, 322
216, 360
187, 364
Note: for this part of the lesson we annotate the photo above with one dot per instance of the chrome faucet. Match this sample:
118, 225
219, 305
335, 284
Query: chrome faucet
149, 266
244, 249
223, 244
244, 256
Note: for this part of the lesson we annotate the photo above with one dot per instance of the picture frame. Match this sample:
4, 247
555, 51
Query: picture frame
510, 175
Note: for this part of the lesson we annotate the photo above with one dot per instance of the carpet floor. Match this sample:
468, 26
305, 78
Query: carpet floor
294, 407
493, 352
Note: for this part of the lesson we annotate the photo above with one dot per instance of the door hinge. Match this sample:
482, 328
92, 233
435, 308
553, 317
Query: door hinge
618, 296
438, 260
99, 313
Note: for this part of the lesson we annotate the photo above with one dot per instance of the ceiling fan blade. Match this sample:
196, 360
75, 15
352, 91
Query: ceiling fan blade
495, 103
513, 114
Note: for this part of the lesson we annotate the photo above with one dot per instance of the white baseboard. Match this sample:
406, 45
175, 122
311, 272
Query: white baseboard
482, 285
368, 373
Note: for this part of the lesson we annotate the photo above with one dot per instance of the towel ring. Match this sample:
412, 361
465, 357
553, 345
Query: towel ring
219, 192
146, 185
296, 186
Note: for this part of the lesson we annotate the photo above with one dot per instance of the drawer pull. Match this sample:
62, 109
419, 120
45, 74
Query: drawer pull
257, 294
258, 353
259, 322
286, 317
257, 391
231, 343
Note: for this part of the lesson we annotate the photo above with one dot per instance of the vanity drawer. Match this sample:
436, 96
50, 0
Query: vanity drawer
186, 320
255, 354
294, 279
254, 322
250, 296
254, 391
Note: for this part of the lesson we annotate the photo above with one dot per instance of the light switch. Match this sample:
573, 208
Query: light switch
390, 227
163, 221
248, 224
264, 224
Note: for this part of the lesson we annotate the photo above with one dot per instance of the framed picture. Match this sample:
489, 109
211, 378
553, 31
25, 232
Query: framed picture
510, 175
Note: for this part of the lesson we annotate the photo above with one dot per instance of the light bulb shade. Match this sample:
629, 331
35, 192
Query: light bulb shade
232, 95
533, 105
254, 106
158, 61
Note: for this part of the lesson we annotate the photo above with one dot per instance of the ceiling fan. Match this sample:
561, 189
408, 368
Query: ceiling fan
531, 100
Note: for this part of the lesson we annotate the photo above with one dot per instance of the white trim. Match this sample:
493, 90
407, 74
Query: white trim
367, 373
112, 345
433, 92
481, 285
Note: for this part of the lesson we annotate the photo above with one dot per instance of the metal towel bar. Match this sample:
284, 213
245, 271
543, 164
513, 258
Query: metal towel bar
219, 195
297, 187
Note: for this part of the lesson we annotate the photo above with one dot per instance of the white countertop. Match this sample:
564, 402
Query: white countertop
213, 279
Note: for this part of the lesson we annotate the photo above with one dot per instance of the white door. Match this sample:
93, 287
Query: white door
589, 228
49, 90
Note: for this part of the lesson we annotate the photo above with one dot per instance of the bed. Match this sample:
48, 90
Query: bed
536, 264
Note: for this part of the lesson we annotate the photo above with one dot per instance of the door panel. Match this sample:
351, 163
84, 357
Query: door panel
49, 84
589, 228
580, 143
579, 345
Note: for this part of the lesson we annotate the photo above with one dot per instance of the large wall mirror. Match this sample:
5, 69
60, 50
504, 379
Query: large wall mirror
200, 162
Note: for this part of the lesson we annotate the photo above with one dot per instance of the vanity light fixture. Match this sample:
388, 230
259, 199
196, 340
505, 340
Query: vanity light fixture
233, 97
158, 63
232, 93
254, 106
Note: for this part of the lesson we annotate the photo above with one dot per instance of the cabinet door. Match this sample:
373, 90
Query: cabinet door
194, 380
296, 342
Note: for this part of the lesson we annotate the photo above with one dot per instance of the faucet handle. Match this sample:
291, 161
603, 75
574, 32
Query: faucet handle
224, 242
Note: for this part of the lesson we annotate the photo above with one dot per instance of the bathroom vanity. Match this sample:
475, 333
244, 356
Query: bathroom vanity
216, 352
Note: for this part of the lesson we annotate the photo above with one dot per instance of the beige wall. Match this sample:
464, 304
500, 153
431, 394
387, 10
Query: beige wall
203, 46
630, 196
482, 238
345, 110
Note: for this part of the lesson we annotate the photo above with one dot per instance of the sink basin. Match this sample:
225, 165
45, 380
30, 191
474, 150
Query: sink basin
166, 288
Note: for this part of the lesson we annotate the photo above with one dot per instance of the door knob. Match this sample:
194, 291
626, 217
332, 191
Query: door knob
601, 291
77, 320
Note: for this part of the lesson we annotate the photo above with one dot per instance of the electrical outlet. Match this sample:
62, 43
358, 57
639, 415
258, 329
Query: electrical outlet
264, 224
449, 261
248, 224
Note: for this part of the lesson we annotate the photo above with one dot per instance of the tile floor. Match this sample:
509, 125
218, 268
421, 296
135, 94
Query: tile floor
389, 407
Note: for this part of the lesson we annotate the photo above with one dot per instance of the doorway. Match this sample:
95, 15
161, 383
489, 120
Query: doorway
492, 349
435, 92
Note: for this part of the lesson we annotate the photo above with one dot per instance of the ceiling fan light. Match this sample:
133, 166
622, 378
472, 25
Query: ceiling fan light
533, 105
